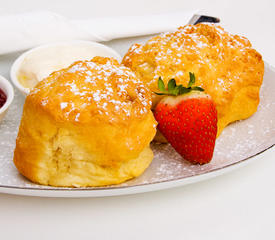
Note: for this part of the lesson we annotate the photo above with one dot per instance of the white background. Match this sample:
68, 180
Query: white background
237, 205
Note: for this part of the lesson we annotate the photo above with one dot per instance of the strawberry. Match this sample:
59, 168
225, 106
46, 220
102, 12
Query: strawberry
187, 118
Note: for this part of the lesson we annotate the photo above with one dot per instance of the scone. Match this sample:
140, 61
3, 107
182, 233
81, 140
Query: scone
225, 65
87, 125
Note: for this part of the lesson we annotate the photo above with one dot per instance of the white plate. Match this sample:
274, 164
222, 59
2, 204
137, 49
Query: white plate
239, 143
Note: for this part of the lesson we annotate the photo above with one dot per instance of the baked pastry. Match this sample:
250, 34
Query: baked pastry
87, 125
225, 65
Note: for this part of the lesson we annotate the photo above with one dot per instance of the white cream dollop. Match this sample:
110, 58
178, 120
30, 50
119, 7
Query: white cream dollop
41, 62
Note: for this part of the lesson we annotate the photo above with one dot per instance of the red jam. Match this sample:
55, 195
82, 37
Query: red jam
3, 98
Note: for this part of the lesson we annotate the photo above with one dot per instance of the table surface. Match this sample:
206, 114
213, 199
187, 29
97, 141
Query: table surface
237, 205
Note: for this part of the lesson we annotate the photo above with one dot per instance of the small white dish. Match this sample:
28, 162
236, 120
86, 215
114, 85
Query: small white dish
81, 50
8, 90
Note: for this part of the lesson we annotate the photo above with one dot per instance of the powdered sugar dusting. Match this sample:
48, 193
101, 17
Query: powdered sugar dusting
205, 46
102, 85
63, 105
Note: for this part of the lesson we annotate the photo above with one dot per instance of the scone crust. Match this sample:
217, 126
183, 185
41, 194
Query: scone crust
225, 65
87, 125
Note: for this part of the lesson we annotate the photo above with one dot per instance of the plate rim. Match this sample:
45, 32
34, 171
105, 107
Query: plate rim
142, 188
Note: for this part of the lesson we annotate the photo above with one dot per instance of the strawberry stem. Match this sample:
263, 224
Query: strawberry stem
175, 90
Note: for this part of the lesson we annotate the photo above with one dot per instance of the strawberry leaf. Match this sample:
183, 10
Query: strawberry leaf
184, 90
197, 89
171, 85
176, 91
161, 85
160, 93
192, 79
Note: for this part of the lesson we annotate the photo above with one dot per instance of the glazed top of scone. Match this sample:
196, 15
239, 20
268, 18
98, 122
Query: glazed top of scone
98, 89
222, 62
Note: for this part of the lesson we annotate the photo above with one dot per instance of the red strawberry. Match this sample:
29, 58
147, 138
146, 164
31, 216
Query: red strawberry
187, 117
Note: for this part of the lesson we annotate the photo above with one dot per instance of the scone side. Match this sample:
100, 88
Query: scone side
101, 176
30, 147
38, 154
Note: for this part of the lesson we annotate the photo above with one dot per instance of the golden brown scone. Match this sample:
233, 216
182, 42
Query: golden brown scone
225, 65
87, 125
